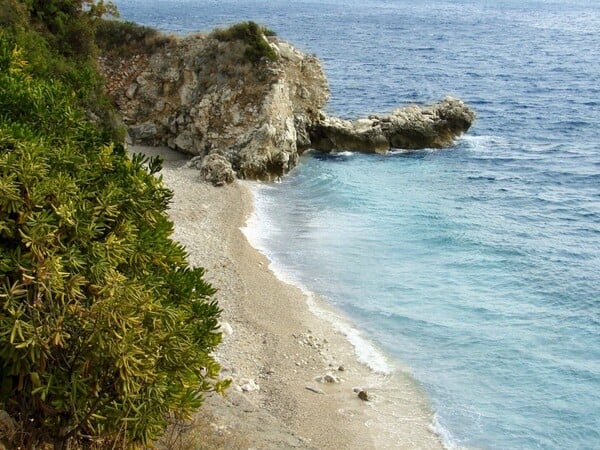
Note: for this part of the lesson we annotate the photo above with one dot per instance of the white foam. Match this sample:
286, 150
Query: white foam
448, 440
484, 142
256, 231
399, 151
365, 351
257, 224
406, 151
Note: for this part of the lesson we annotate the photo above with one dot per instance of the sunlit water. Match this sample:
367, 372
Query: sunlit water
478, 266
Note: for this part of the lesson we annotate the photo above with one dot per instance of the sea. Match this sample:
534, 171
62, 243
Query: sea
478, 266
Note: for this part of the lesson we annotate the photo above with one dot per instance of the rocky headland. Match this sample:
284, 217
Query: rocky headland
252, 118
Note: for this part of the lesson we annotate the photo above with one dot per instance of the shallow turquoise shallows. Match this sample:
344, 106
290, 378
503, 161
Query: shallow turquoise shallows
478, 266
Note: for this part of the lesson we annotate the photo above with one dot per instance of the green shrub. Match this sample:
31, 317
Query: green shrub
70, 24
105, 330
128, 38
12, 13
29, 23
257, 46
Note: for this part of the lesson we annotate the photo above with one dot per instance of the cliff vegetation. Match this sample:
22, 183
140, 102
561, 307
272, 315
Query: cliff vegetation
253, 35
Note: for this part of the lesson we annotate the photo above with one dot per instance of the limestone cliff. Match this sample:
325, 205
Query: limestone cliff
203, 96
199, 95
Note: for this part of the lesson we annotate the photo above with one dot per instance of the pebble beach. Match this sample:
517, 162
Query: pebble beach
295, 377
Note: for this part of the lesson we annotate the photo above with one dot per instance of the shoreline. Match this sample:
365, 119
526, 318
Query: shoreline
279, 340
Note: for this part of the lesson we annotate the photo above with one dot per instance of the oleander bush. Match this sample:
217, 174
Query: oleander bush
253, 35
105, 330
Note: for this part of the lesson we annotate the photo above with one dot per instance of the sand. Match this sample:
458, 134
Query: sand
274, 348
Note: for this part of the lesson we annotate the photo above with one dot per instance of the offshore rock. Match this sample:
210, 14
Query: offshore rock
411, 127
201, 96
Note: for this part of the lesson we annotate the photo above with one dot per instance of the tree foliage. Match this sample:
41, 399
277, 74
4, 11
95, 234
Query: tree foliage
70, 23
104, 327
58, 37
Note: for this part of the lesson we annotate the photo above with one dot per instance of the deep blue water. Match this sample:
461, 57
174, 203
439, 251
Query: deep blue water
477, 266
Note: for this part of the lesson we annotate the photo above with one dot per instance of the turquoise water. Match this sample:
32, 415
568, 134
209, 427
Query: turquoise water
478, 266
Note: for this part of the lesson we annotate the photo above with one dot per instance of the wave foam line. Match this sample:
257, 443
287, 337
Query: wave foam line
255, 232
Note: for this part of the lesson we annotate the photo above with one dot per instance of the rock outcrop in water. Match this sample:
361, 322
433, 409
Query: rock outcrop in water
203, 96
411, 127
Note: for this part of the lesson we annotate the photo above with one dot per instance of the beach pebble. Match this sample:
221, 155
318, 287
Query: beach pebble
219, 429
225, 329
249, 385
363, 395
341, 368
327, 378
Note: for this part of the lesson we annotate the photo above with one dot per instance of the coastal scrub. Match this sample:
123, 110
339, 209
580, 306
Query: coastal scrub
105, 330
253, 35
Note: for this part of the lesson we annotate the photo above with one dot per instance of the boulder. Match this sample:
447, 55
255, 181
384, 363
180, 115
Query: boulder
143, 133
217, 170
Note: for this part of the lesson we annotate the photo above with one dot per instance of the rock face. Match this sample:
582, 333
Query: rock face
201, 96
412, 127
